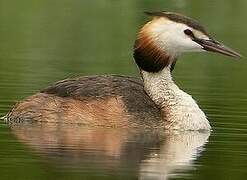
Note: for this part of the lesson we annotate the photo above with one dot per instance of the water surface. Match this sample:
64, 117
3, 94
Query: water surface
45, 41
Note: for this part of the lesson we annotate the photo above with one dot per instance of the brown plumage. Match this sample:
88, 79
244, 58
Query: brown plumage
110, 101
148, 56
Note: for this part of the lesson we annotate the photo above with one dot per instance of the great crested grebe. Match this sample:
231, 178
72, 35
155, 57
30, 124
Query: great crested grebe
118, 101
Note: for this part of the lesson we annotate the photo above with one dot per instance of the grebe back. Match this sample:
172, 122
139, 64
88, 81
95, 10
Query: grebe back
119, 101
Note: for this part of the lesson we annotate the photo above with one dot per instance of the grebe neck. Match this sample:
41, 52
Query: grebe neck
178, 109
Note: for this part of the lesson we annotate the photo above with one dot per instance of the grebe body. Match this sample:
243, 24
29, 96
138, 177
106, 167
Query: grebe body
154, 101
106, 100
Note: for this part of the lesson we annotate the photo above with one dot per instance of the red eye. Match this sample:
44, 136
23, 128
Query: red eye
188, 32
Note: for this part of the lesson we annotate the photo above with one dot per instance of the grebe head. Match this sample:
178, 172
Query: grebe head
168, 35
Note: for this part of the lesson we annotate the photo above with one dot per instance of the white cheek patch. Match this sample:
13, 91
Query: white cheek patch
170, 37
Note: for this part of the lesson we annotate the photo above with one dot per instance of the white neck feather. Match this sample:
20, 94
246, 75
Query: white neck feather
179, 109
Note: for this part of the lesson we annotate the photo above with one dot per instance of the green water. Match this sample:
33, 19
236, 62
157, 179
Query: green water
45, 41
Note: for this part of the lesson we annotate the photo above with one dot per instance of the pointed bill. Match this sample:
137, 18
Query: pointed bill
214, 46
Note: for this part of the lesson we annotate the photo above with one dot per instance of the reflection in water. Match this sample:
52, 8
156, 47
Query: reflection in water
175, 154
143, 153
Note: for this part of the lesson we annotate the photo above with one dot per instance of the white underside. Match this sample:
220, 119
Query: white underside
179, 109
